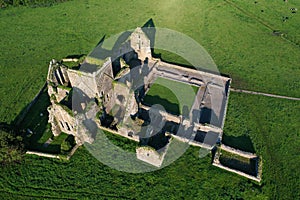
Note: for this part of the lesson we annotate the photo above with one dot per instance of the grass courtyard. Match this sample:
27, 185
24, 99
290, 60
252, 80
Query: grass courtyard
172, 95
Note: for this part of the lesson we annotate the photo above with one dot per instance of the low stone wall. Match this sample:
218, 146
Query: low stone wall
226, 106
238, 152
70, 60
202, 145
191, 142
43, 154
73, 151
118, 133
237, 172
216, 162
166, 115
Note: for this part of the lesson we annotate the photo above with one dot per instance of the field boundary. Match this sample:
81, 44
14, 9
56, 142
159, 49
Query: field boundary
264, 94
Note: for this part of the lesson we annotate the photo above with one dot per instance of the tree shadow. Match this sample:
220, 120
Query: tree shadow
4, 126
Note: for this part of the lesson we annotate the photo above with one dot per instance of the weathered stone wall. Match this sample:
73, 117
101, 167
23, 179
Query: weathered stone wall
216, 162
104, 81
237, 172
141, 44
61, 93
166, 115
64, 73
59, 117
84, 81
42, 154
238, 152
149, 155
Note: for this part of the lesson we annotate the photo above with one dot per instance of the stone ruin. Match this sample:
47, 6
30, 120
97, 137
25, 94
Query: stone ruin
109, 87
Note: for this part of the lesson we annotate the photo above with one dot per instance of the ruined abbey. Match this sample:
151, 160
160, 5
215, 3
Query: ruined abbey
106, 90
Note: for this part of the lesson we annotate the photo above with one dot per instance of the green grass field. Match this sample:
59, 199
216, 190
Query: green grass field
240, 45
172, 95
238, 36
84, 177
271, 129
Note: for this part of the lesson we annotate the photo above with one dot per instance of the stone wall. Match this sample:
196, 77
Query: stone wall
238, 152
149, 155
61, 119
237, 172
42, 154
104, 80
244, 154
141, 44
84, 81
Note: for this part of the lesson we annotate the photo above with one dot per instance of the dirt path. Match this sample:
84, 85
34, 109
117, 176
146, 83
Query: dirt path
264, 94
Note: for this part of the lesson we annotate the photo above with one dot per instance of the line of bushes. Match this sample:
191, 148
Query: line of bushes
29, 3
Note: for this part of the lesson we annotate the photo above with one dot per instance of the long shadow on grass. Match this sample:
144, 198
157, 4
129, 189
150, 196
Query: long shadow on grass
241, 142
172, 108
32, 124
102, 53
160, 56
149, 30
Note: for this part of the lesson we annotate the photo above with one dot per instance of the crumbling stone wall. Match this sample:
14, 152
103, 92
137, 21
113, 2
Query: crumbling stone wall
61, 120
84, 81
141, 44
104, 80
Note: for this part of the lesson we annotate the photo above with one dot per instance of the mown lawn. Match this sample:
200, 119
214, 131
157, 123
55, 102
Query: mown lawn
172, 95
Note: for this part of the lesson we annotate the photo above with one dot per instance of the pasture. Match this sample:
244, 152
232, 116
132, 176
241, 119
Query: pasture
240, 38
240, 45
